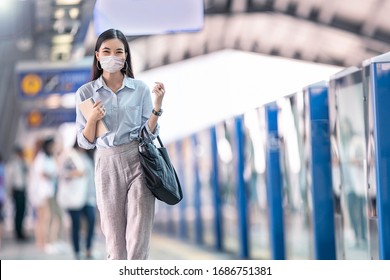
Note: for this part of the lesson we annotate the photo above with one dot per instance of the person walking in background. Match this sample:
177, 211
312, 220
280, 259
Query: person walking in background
16, 181
41, 189
76, 194
89, 209
125, 204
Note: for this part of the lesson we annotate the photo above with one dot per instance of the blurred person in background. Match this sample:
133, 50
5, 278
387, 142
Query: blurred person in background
41, 190
77, 195
16, 181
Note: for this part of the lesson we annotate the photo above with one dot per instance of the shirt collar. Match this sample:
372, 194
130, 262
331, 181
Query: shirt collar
127, 82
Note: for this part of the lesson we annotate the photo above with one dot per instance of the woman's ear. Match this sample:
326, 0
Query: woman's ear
97, 55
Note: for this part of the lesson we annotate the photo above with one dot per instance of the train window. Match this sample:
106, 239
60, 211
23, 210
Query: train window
254, 174
293, 158
351, 145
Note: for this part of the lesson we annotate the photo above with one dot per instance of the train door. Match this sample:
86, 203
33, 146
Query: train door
203, 153
376, 80
317, 161
227, 181
293, 158
370, 169
349, 151
254, 174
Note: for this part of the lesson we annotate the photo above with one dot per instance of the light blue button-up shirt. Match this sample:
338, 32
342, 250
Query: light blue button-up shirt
127, 111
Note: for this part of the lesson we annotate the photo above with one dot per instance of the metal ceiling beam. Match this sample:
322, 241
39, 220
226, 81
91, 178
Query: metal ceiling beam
325, 14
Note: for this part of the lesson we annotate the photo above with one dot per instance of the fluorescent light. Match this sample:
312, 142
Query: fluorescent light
67, 2
53, 101
61, 52
62, 39
59, 13
68, 100
74, 13
62, 48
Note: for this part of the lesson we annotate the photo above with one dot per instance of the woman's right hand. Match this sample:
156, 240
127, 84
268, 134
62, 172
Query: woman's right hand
98, 112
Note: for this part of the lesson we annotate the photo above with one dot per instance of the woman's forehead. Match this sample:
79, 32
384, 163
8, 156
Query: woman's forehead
113, 44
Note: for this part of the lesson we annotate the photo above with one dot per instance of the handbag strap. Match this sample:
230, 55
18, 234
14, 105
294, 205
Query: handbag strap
144, 134
159, 141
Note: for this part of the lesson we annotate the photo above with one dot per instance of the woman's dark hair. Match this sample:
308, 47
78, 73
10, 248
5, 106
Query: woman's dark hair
18, 150
46, 146
107, 35
89, 152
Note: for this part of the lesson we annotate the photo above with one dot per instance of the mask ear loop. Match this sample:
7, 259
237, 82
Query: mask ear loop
97, 65
126, 66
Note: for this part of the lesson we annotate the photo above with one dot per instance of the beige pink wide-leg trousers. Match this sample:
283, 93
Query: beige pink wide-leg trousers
125, 204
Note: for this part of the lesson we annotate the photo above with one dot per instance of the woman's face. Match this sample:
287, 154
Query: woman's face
112, 47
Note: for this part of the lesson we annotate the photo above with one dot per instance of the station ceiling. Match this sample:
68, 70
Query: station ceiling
341, 33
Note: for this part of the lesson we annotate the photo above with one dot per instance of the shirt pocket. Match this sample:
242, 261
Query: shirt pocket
132, 116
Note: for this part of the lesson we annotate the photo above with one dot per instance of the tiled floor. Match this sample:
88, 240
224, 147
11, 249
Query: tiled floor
162, 248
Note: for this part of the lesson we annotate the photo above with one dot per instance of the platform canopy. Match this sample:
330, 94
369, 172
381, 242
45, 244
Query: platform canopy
207, 89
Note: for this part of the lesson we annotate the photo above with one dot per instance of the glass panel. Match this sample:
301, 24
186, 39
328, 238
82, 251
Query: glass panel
297, 218
204, 154
336, 171
226, 154
351, 143
254, 174
162, 218
189, 179
173, 210
167, 217
371, 166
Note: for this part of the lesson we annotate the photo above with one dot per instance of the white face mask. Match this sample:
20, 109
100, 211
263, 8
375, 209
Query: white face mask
112, 64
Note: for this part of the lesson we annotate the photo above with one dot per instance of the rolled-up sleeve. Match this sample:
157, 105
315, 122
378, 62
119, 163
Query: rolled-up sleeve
80, 125
147, 107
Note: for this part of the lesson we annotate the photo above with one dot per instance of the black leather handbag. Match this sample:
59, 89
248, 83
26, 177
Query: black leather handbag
160, 175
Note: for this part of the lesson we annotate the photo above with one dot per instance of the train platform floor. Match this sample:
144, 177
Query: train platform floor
162, 248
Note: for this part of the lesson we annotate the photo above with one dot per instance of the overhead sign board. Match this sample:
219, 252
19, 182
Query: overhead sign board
49, 118
149, 17
41, 83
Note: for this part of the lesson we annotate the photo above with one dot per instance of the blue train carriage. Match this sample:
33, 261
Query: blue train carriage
305, 166
254, 174
167, 217
229, 156
222, 170
319, 170
347, 135
206, 193
294, 171
188, 209
238, 185
376, 82
274, 184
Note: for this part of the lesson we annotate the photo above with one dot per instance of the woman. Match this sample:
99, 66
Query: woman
125, 204
77, 195
41, 193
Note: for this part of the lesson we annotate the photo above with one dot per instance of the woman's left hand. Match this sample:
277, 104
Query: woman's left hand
159, 92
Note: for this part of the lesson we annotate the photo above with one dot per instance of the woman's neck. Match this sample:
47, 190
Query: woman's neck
113, 80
